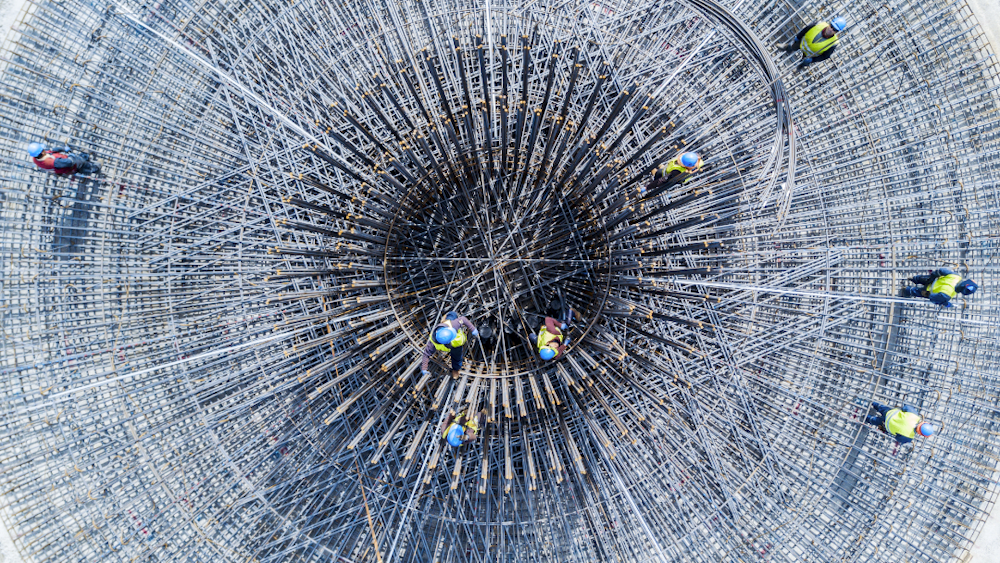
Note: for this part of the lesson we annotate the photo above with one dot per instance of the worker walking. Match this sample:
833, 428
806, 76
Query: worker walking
940, 286
61, 160
903, 423
461, 429
685, 163
449, 336
816, 41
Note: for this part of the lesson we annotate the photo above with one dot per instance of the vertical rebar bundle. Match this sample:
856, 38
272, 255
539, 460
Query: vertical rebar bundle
211, 351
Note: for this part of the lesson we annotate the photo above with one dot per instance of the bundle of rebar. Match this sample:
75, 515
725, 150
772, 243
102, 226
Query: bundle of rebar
212, 349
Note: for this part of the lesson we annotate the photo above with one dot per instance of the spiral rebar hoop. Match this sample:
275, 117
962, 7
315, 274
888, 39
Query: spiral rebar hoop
211, 351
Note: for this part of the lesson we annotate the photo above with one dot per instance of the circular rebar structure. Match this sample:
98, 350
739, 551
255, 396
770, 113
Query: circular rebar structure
211, 352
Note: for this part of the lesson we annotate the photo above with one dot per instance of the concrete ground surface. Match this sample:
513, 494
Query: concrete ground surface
987, 548
988, 14
8, 13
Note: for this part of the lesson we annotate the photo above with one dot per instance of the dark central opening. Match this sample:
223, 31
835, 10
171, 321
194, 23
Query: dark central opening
503, 259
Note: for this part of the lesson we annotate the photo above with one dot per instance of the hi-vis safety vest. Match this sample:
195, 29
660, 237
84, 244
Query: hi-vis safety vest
902, 423
545, 338
811, 47
458, 341
945, 285
675, 164
471, 424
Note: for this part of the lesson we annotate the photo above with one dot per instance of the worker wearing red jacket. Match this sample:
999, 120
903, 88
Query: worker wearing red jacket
61, 160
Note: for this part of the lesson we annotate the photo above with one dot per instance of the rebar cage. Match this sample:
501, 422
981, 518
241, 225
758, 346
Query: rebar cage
212, 349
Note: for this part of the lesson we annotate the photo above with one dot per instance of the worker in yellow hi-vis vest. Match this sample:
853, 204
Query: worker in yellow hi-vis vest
680, 167
449, 336
553, 335
902, 423
940, 286
462, 428
816, 41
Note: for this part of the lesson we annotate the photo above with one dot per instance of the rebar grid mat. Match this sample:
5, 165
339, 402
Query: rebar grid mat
212, 351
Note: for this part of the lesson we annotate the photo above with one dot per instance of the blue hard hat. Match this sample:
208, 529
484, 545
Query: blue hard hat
455, 435
838, 23
939, 298
444, 335
926, 429
967, 287
689, 159
451, 316
547, 353
35, 149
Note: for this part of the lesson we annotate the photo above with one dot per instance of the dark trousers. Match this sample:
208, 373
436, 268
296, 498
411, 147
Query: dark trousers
658, 181
456, 357
925, 280
558, 309
879, 419
83, 164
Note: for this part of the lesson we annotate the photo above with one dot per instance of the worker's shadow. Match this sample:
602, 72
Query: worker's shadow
72, 213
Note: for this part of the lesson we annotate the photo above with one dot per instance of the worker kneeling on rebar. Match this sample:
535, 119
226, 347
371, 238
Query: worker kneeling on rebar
462, 429
449, 336
684, 163
816, 41
903, 423
552, 338
940, 286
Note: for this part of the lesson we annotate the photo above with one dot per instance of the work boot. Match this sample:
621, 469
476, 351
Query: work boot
454, 374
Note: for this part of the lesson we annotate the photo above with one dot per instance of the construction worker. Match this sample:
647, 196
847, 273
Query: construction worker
449, 336
940, 286
685, 163
61, 160
816, 41
461, 429
903, 424
550, 340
